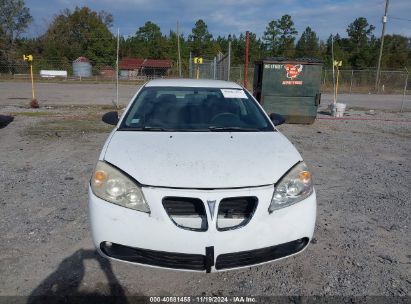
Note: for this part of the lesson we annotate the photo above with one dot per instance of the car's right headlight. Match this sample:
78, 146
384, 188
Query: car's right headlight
111, 185
295, 186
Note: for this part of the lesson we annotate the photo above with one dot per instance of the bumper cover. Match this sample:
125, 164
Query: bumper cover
154, 240
198, 262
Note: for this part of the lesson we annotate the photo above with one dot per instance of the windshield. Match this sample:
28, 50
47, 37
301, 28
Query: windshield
195, 109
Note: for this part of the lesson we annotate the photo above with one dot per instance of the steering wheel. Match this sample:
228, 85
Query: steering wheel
225, 118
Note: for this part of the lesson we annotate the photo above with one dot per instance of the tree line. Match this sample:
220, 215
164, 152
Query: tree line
84, 32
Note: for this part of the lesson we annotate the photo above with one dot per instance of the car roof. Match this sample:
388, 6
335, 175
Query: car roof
193, 83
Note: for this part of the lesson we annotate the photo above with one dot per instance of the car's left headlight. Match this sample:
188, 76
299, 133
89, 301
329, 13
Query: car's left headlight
295, 186
111, 185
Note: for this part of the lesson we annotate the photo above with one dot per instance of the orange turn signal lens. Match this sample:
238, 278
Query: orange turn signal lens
305, 176
99, 177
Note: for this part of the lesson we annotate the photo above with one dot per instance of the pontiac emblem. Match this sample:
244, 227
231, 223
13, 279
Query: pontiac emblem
211, 207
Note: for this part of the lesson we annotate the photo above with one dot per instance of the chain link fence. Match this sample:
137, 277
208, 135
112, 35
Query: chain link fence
216, 68
237, 74
349, 81
363, 81
65, 71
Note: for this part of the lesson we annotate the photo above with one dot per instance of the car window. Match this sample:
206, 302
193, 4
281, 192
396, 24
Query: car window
194, 109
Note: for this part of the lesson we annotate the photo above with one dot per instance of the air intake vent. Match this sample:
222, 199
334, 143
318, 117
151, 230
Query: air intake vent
155, 258
186, 212
257, 256
235, 212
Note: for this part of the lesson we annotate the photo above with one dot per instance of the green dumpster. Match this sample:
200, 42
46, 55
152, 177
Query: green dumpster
290, 87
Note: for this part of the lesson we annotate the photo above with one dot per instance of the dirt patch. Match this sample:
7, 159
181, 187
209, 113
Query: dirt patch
66, 126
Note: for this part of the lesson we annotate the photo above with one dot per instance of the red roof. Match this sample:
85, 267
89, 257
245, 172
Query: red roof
107, 67
81, 59
130, 63
135, 63
157, 63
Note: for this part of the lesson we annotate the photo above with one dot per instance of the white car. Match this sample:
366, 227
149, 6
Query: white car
196, 177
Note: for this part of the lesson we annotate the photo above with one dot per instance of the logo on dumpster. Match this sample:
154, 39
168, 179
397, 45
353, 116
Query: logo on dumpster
292, 72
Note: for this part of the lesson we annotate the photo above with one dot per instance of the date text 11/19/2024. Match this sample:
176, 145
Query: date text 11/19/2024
203, 299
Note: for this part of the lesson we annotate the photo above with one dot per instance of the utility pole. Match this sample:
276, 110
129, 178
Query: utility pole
190, 66
405, 91
384, 21
118, 47
229, 60
178, 50
332, 59
247, 44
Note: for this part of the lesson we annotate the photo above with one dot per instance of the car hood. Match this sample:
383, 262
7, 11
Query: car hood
202, 159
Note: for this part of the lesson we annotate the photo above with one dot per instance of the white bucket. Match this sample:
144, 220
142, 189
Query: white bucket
338, 109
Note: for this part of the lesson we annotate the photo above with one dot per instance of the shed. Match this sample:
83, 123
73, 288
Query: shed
156, 67
82, 67
107, 71
130, 67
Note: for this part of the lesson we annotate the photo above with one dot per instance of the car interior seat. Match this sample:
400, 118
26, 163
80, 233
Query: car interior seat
165, 112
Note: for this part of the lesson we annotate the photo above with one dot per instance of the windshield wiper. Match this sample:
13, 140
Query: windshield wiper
211, 128
149, 128
232, 129
145, 128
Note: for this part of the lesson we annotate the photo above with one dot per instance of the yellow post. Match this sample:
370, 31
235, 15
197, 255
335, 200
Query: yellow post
198, 61
29, 58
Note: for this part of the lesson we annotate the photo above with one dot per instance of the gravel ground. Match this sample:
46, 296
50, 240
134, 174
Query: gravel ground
362, 172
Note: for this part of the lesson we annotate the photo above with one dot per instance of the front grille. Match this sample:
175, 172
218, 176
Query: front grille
186, 212
235, 212
252, 257
154, 258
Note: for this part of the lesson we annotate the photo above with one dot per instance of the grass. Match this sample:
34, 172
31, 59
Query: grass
31, 114
364, 109
90, 107
91, 111
67, 127
91, 80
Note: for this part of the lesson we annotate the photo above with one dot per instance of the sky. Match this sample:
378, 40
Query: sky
225, 17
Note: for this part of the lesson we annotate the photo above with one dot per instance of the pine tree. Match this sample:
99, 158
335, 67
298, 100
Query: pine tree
361, 43
307, 45
279, 36
200, 39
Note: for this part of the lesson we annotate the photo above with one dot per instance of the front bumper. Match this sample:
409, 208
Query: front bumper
154, 240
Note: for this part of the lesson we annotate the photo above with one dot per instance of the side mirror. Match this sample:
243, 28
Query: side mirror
277, 119
110, 118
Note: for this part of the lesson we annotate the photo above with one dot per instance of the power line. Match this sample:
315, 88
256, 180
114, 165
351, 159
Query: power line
398, 18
